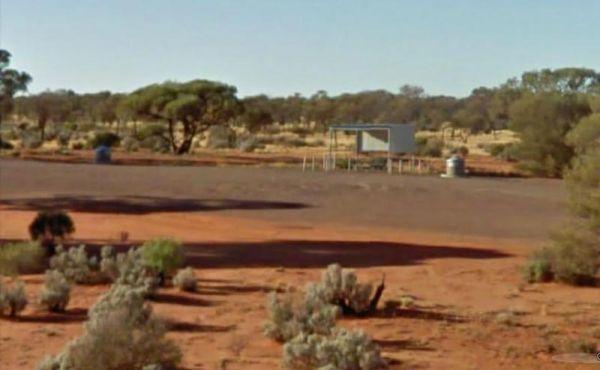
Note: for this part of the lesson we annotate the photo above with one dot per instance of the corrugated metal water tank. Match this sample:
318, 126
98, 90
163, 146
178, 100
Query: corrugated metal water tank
455, 166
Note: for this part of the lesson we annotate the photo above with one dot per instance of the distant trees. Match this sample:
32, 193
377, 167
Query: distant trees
563, 80
58, 106
574, 254
61, 106
542, 121
11, 82
194, 105
540, 106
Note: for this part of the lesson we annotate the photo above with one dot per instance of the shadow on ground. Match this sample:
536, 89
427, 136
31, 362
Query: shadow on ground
181, 300
138, 205
305, 254
70, 315
319, 253
197, 328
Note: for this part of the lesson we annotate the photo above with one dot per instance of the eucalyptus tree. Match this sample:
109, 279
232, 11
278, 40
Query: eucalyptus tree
11, 82
193, 106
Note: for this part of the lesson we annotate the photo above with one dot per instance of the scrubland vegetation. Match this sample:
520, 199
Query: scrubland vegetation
554, 116
307, 325
574, 254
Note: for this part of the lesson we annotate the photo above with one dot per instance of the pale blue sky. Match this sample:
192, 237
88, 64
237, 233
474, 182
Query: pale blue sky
280, 47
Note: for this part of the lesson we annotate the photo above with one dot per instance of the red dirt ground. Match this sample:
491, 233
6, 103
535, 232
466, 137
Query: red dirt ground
456, 247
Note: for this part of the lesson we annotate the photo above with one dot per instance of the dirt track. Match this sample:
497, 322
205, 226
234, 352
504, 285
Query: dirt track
494, 208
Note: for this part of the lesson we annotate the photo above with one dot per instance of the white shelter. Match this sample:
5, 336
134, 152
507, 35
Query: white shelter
392, 138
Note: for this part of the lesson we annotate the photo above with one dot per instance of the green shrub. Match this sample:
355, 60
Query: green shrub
13, 299
105, 138
77, 146
121, 333
163, 255
342, 350
21, 258
575, 256
186, 280
74, 264
48, 227
56, 292
583, 182
572, 258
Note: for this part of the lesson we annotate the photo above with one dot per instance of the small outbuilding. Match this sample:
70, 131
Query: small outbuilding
393, 138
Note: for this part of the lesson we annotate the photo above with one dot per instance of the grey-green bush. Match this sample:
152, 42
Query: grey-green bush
341, 350
109, 268
289, 316
73, 263
56, 292
341, 287
121, 333
134, 272
186, 280
13, 298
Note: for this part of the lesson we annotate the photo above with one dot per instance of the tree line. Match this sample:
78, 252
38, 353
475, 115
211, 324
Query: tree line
541, 106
